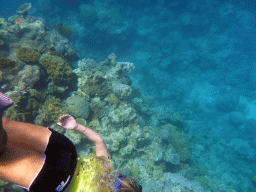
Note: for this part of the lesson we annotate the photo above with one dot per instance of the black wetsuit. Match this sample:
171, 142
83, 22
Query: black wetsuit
59, 166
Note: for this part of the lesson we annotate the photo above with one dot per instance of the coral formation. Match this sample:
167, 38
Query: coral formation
7, 64
27, 55
94, 85
24, 8
50, 112
57, 68
123, 91
87, 65
178, 139
77, 107
97, 106
112, 99
63, 29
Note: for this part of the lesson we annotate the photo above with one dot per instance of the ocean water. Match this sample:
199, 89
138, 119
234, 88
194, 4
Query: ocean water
195, 60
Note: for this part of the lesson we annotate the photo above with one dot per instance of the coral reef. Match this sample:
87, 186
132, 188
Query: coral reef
7, 64
178, 139
98, 107
123, 91
94, 85
27, 55
63, 29
77, 107
50, 112
87, 65
57, 68
123, 115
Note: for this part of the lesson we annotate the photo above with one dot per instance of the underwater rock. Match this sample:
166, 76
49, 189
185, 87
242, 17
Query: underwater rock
77, 107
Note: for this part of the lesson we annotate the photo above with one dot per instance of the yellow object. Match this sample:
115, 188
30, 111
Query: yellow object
88, 176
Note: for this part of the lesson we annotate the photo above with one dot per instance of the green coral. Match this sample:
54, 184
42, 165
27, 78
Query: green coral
179, 140
27, 55
95, 85
57, 68
7, 64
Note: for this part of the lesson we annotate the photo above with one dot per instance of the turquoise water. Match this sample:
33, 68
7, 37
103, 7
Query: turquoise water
195, 69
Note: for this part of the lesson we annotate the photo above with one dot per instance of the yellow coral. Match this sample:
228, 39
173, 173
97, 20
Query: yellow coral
28, 55
112, 99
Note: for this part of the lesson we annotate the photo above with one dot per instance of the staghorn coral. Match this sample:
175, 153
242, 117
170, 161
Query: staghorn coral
27, 55
57, 68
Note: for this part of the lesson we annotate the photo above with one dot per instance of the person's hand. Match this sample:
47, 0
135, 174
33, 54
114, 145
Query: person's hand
67, 122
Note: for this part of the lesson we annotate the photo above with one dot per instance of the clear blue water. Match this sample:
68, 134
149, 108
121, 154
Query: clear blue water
195, 58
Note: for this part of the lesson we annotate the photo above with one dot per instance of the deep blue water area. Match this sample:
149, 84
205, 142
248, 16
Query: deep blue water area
193, 58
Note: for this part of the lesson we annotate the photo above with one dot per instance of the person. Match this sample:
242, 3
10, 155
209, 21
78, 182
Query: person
37, 158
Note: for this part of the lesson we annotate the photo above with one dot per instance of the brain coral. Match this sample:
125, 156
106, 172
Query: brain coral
27, 55
78, 107
57, 68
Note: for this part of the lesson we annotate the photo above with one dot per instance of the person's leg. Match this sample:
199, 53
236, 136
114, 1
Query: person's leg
23, 135
26, 135
5, 103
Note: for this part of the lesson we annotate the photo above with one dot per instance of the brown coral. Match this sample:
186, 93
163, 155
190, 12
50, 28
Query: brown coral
27, 55
7, 64
63, 29
57, 68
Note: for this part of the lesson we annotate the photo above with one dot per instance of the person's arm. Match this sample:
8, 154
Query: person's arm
101, 148
69, 122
